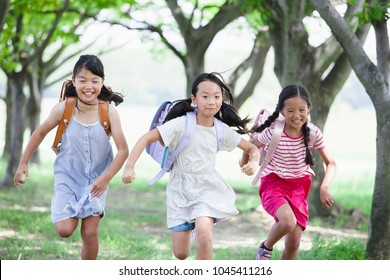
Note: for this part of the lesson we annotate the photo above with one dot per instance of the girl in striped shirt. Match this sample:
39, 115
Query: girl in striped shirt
285, 182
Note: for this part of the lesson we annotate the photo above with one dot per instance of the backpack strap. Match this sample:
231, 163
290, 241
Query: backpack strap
190, 129
220, 133
103, 116
313, 135
70, 102
275, 138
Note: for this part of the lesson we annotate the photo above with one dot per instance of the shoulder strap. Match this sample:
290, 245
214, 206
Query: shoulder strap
313, 135
220, 133
190, 129
103, 116
276, 135
70, 102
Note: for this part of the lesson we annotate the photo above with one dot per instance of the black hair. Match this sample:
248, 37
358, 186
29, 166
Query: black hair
227, 114
93, 64
288, 92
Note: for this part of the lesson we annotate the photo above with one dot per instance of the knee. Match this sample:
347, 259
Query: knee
180, 254
89, 234
288, 225
66, 227
64, 232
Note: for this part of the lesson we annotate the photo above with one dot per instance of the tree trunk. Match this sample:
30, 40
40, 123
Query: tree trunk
378, 245
34, 110
16, 81
4, 8
375, 80
8, 104
193, 65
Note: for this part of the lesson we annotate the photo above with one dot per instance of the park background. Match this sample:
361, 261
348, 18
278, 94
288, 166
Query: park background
146, 79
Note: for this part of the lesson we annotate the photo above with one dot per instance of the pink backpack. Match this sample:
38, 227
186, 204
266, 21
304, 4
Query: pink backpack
265, 157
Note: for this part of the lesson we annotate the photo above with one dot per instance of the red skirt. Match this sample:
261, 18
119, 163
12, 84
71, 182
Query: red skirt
275, 191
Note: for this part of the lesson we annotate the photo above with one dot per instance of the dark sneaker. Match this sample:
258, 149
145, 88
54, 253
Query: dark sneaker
263, 253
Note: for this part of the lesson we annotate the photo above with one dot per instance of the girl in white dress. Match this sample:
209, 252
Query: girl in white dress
197, 196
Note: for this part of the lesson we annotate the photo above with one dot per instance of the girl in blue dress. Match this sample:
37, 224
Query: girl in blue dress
85, 164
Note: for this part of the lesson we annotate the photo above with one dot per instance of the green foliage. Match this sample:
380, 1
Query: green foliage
373, 12
27, 31
334, 249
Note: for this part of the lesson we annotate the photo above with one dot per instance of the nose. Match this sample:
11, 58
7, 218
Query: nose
88, 84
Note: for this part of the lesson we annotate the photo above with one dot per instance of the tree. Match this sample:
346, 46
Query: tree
195, 26
35, 37
375, 79
4, 7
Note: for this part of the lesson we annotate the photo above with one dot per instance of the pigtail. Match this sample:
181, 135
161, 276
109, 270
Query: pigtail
70, 90
306, 138
229, 115
267, 123
180, 108
107, 94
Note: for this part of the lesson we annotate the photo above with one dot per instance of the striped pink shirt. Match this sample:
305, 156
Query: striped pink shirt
288, 160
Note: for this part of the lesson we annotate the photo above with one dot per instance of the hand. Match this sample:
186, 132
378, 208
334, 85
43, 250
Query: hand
326, 197
18, 179
128, 176
99, 186
250, 168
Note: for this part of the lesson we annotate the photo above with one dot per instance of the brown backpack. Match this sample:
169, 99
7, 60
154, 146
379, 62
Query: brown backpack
70, 103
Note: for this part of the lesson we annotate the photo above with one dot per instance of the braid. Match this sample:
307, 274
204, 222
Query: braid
306, 138
267, 123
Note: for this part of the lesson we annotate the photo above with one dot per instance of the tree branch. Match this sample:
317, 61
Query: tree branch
358, 58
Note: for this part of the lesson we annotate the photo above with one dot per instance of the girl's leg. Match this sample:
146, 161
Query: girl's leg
286, 223
291, 244
90, 236
65, 228
204, 238
181, 244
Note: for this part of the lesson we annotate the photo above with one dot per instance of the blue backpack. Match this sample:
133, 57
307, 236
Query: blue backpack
162, 154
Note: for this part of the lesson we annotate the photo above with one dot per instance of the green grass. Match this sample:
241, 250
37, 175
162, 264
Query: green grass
135, 224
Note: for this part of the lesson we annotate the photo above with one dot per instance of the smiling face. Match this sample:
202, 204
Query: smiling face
208, 99
296, 112
88, 85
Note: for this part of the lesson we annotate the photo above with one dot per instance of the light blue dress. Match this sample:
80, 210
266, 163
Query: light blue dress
85, 154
